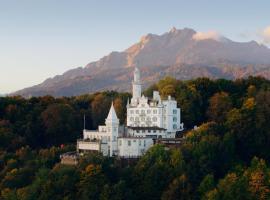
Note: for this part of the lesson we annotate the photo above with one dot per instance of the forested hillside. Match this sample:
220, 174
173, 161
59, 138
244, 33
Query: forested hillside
227, 157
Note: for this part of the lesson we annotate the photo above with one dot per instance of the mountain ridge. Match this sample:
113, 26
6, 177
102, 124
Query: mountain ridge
174, 52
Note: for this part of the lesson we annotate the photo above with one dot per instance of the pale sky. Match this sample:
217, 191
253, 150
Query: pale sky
43, 38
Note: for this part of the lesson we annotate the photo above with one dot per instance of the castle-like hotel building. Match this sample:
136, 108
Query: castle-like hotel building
147, 120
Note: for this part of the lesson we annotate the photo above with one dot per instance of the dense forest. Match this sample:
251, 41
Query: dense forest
226, 157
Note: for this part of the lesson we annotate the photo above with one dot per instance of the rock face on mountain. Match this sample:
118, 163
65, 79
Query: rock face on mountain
178, 53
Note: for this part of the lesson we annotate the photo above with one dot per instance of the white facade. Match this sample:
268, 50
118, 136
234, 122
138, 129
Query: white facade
105, 136
133, 146
145, 112
146, 119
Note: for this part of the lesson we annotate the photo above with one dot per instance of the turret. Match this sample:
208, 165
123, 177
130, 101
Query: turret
112, 125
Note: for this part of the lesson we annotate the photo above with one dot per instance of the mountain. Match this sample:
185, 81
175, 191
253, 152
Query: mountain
184, 54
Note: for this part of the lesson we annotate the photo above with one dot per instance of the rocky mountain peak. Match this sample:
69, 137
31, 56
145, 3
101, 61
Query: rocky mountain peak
177, 52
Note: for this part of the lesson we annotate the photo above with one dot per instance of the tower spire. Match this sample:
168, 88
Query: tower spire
136, 85
112, 117
128, 103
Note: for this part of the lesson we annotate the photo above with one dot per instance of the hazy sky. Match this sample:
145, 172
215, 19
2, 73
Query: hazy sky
43, 38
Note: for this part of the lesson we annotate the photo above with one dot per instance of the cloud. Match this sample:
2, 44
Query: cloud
214, 35
265, 34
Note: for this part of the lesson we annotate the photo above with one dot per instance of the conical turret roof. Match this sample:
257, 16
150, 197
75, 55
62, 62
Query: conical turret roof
112, 117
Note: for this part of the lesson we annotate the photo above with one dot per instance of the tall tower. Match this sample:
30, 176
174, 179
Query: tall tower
112, 125
136, 84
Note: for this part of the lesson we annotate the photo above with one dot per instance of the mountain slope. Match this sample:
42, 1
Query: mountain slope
177, 53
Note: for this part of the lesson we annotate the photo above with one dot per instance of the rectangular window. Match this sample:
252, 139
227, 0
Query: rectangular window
129, 143
120, 142
174, 111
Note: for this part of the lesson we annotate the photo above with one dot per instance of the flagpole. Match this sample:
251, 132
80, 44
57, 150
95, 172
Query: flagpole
84, 122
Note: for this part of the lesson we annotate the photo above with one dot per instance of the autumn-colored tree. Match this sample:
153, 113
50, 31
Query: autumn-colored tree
120, 108
179, 189
91, 183
60, 124
100, 108
219, 105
